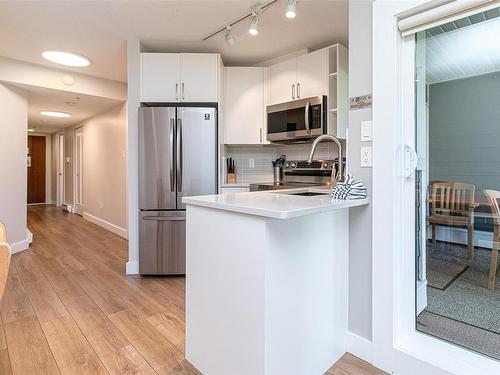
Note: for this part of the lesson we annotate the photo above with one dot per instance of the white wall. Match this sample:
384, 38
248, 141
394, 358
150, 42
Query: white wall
13, 153
360, 219
104, 169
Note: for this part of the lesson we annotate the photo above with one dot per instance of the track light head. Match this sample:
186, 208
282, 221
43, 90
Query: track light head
254, 24
228, 36
290, 8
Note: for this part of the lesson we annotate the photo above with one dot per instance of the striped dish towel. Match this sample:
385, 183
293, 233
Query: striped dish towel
349, 189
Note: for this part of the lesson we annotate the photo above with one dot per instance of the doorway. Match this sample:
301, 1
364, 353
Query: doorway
78, 189
36, 170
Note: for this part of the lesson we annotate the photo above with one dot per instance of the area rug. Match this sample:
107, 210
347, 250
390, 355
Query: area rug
442, 273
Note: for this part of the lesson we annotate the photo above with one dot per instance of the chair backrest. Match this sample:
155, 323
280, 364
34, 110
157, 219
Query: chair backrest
493, 197
451, 197
4, 259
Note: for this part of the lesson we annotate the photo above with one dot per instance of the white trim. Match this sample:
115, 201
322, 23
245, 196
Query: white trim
360, 347
132, 267
106, 225
17, 247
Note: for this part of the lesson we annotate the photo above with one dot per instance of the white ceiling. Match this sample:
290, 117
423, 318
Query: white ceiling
99, 30
463, 49
43, 99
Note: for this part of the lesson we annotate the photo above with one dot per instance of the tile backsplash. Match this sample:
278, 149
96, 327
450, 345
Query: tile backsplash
265, 154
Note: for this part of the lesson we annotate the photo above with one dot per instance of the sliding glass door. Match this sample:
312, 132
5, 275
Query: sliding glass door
457, 182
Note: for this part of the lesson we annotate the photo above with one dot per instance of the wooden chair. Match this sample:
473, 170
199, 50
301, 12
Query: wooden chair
4, 259
493, 197
452, 204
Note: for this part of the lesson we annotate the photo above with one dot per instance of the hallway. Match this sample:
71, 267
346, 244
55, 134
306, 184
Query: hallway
69, 309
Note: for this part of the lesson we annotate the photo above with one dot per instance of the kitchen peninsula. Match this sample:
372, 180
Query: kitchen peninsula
267, 281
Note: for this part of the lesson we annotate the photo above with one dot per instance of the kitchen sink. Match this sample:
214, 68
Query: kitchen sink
308, 194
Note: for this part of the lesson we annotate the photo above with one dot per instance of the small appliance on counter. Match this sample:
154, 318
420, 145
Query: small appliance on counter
278, 170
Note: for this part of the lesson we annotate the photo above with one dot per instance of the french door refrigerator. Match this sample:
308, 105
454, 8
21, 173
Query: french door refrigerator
177, 158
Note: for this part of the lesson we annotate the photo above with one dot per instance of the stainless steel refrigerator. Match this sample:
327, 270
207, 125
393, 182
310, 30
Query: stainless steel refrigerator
177, 158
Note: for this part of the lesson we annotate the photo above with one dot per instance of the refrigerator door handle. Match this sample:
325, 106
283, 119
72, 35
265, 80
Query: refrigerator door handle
164, 218
179, 155
171, 136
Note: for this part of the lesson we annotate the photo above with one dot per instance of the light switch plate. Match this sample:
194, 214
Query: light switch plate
251, 163
366, 131
366, 156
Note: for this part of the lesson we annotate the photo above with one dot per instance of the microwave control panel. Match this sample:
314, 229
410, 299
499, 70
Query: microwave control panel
316, 117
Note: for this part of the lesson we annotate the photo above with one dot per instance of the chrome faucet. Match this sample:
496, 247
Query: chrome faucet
336, 177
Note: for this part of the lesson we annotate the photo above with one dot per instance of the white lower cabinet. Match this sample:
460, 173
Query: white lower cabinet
244, 106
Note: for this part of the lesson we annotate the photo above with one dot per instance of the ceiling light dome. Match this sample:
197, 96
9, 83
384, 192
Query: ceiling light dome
55, 114
290, 8
66, 58
254, 24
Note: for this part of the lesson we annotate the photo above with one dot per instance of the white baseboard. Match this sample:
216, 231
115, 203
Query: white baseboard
106, 225
360, 347
132, 267
17, 247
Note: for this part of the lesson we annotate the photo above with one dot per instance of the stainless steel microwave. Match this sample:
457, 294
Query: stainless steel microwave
298, 120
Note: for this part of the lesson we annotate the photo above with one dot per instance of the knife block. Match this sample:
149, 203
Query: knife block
231, 178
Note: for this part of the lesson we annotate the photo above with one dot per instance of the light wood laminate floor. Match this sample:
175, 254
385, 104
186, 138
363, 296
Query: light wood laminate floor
68, 308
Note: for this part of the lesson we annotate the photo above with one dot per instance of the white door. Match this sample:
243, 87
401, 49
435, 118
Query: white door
312, 74
199, 77
160, 77
78, 188
244, 106
60, 169
283, 82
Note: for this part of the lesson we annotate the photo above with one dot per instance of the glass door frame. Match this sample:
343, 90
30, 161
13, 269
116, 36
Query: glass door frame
396, 343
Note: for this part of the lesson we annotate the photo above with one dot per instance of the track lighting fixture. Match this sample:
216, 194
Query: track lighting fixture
228, 36
290, 8
254, 24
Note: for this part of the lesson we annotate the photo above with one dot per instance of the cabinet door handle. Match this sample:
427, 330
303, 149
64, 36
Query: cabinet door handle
176, 91
293, 91
298, 90
182, 90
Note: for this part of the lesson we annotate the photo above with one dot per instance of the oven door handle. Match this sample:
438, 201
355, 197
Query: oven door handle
306, 118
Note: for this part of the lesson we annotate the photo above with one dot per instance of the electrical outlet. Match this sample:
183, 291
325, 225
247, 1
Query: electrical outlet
366, 156
251, 163
100, 204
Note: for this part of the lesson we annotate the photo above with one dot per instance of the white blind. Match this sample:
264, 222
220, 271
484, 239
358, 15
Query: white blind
443, 14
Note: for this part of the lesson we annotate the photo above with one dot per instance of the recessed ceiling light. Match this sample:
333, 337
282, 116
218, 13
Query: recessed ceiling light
66, 58
31, 130
254, 24
55, 114
290, 8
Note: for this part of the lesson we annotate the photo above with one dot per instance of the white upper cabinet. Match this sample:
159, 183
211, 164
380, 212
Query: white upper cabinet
160, 76
283, 82
312, 74
199, 77
244, 105
299, 78
179, 77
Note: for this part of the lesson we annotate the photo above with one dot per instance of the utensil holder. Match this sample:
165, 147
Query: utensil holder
278, 175
231, 178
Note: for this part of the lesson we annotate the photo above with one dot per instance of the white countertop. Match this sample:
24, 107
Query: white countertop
277, 204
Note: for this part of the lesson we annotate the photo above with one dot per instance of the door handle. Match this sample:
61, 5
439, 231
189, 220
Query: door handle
179, 155
182, 90
176, 91
163, 218
298, 90
410, 161
171, 135
293, 91
306, 117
